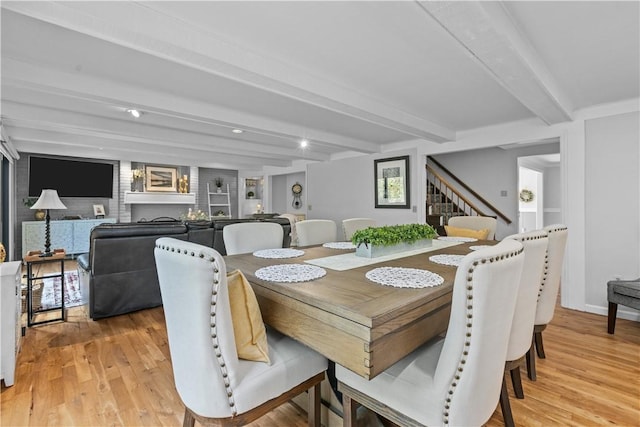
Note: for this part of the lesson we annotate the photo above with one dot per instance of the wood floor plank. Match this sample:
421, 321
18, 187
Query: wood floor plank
117, 371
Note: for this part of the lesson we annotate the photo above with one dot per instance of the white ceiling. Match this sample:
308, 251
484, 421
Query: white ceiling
351, 77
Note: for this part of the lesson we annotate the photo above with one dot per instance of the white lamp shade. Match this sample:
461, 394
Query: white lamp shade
49, 200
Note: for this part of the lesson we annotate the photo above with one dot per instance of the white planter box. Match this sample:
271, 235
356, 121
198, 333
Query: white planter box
369, 251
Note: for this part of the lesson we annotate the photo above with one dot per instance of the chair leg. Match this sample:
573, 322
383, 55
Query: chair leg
613, 311
189, 419
517, 382
349, 409
531, 362
505, 406
313, 412
539, 346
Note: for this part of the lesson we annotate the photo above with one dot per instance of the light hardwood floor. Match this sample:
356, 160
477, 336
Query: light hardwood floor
117, 372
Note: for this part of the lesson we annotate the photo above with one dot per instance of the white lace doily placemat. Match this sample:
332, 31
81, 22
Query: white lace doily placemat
339, 245
446, 259
478, 247
400, 277
457, 239
290, 273
278, 253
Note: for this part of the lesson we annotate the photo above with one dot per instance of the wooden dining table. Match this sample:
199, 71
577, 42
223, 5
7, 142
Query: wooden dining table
350, 319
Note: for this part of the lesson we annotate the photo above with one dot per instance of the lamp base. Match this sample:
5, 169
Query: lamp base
46, 254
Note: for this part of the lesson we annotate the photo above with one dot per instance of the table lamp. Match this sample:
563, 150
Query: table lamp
48, 200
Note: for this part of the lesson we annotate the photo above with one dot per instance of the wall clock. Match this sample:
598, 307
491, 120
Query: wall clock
296, 189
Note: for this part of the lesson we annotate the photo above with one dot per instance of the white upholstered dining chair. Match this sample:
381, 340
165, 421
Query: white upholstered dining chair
351, 225
475, 222
454, 380
535, 251
245, 237
547, 299
215, 385
316, 231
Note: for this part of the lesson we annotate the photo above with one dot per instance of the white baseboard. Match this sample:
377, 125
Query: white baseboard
623, 312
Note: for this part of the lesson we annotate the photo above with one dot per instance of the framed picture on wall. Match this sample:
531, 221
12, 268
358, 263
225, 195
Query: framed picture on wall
161, 179
392, 182
98, 211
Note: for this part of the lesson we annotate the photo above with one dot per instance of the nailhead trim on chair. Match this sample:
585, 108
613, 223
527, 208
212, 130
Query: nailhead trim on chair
469, 325
544, 273
546, 259
214, 334
555, 230
542, 234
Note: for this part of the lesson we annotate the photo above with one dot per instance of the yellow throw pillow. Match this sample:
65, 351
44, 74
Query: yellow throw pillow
248, 327
467, 232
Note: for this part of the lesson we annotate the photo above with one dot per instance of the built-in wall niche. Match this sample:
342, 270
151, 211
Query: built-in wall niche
139, 182
253, 188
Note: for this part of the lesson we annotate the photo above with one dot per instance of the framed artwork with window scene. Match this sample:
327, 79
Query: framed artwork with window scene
392, 189
161, 179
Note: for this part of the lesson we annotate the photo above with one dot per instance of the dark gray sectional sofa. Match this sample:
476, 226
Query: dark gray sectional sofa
119, 275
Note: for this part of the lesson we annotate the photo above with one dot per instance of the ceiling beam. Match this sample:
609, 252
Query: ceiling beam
204, 50
134, 133
24, 75
51, 142
488, 32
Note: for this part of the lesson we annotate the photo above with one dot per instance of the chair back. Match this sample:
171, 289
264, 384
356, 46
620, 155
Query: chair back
316, 231
471, 364
247, 237
351, 225
551, 281
475, 222
535, 251
193, 284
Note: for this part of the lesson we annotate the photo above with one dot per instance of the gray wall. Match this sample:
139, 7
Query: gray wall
612, 208
279, 193
283, 196
489, 171
552, 195
207, 175
344, 189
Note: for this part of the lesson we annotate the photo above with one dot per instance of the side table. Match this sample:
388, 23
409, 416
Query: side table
34, 258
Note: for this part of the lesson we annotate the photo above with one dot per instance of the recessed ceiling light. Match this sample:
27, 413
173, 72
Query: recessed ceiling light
134, 113
304, 143
237, 131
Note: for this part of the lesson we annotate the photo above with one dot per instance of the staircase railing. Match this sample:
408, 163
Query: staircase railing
445, 200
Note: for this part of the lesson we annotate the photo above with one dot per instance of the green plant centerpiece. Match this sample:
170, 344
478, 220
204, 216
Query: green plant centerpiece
194, 215
372, 242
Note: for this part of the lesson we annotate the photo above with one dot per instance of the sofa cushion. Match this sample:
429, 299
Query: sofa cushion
629, 289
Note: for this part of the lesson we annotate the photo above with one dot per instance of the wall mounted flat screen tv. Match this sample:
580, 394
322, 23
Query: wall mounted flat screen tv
71, 178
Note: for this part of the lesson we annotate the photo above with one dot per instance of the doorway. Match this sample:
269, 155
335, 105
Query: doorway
539, 191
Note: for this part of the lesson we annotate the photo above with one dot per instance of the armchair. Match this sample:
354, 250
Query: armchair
625, 292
